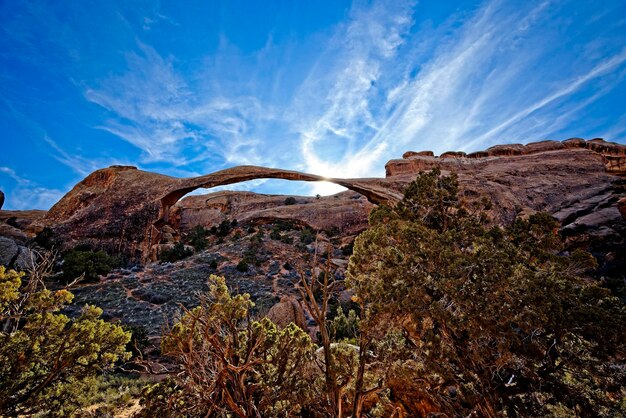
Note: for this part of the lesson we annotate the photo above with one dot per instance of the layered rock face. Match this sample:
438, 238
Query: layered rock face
345, 212
613, 156
569, 179
124, 209
579, 182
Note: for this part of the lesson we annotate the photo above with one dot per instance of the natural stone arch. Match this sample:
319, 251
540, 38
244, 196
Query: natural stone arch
375, 193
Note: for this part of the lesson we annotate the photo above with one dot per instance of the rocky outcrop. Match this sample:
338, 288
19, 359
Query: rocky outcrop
1, 199
614, 156
286, 311
128, 210
124, 209
345, 212
579, 182
13, 255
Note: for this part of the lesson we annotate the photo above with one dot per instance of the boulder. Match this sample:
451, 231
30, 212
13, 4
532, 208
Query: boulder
8, 251
410, 154
453, 154
286, 311
13, 255
621, 205
505, 150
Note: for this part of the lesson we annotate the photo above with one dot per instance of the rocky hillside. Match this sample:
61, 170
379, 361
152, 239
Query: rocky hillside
345, 212
139, 214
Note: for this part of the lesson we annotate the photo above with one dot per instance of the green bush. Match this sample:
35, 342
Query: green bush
48, 362
290, 200
275, 234
178, 252
46, 239
242, 266
197, 238
307, 236
224, 228
90, 263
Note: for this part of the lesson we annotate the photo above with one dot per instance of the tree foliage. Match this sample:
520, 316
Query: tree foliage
230, 365
493, 320
47, 360
91, 264
178, 252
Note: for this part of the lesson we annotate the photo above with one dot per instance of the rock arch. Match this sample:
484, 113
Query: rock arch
374, 192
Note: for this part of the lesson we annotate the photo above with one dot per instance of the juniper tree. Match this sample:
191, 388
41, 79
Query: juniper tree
47, 360
493, 320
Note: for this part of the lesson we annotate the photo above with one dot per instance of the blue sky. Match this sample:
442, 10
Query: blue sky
335, 88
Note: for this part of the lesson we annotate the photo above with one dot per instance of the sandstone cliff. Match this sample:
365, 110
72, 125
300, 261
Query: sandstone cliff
124, 209
345, 212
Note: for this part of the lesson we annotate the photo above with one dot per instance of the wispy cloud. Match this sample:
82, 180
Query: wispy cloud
384, 81
27, 194
492, 80
154, 108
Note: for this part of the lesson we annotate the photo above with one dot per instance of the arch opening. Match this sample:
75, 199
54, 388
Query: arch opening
375, 194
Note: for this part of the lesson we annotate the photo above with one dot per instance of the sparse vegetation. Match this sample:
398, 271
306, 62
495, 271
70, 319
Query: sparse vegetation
290, 200
89, 264
177, 252
197, 238
49, 362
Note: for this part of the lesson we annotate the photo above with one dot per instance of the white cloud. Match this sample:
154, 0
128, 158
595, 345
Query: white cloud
379, 85
27, 194
483, 84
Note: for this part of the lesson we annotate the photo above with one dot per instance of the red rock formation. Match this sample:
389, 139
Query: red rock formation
412, 162
346, 211
125, 208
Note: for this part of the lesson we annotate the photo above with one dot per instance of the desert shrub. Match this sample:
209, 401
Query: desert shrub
234, 367
90, 263
197, 238
47, 239
275, 234
307, 236
284, 225
334, 231
213, 264
290, 200
177, 252
242, 266
48, 362
345, 327
138, 340
258, 237
286, 239
112, 392
224, 228
347, 249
